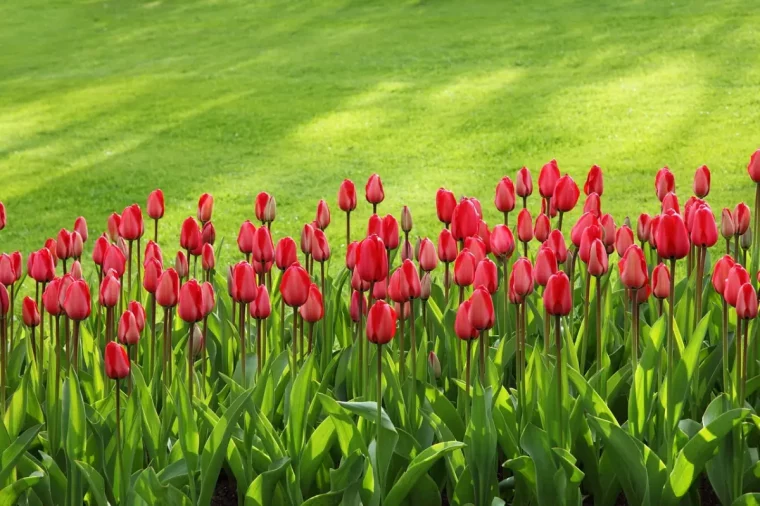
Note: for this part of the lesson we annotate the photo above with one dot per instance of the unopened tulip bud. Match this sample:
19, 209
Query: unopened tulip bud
205, 207
76, 270
435, 364
745, 241
197, 340
323, 215
727, 228
426, 284
208, 233
406, 219
407, 252
180, 264
661, 281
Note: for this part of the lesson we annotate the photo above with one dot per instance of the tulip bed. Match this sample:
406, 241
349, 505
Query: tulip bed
533, 361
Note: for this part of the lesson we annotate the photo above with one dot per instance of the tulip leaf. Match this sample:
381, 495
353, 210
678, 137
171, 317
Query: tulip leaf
314, 452
747, 500
481, 442
299, 399
592, 401
11, 494
11, 455
95, 483
417, 468
535, 442
189, 438
261, 491
643, 385
151, 423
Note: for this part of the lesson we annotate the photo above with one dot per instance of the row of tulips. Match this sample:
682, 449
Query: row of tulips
277, 388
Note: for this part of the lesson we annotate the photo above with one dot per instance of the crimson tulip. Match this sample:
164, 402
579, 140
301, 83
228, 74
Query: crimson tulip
590, 234
594, 181
116, 361
502, 242
542, 228
263, 250
447, 246
127, 331
664, 183
746, 302
566, 194
131, 226
463, 328
524, 227
167, 289
704, 231
672, 237
522, 274
546, 265
358, 299
110, 290
261, 307
347, 196
313, 309
427, 257
294, 286
208, 260
586, 220
208, 233
180, 264
702, 182
633, 268
481, 313
80, 226
29, 312
99, 250
556, 241
623, 239
373, 191
77, 301
51, 297
371, 259
464, 220
245, 237
351, 255
643, 227
381, 323
504, 199
244, 288
153, 270
597, 263
390, 234
487, 275
523, 184
557, 298
156, 204
205, 207
113, 223
737, 276
445, 202
753, 168
720, 273
464, 268
547, 179
265, 207
139, 311
190, 307
477, 247
741, 217
7, 271
593, 205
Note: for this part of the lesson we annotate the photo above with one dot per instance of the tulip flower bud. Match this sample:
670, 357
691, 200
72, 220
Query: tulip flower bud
746, 302
608, 231
594, 181
557, 297
208, 233
76, 270
476, 247
623, 239
390, 232
745, 241
80, 226
704, 232
670, 202
661, 281
320, 249
114, 221
63, 244
597, 263
347, 196
753, 169
51, 297
464, 220
191, 307
654, 226
741, 218
702, 182
323, 215
643, 227
593, 205
263, 250
566, 194
77, 245
547, 179
672, 236
379, 291
265, 207
197, 340
180, 265
381, 323
30, 313
445, 202
464, 268
427, 255
435, 364
407, 251
504, 200
190, 237
664, 183
294, 286
523, 183
131, 226
425, 286
99, 250
463, 328
307, 236
546, 265
727, 228
522, 277
447, 247
375, 226
633, 268
127, 331
7, 271
357, 299
371, 259
3, 216
245, 237
589, 235
156, 204
285, 253
502, 242
261, 307
153, 270
116, 361
373, 190
77, 301
524, 226
720, 273
167, 289
487, 276
737, 276
208, 261
313, 309
481, 314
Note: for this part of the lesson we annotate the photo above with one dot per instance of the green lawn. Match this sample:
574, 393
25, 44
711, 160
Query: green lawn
101, 102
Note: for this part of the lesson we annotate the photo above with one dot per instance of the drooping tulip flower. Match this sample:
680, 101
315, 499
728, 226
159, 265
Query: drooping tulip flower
294, 286
245, 237
523, 183
244, 288
504, 199
672, 236
547, 179
542, 228
476, 246
261, 307
633, 268
371, 259
428, 257
116, 361
29, 312
208, 260
546, 265
557, 298
664, 183
131, 226
556, 241
167, 290
623, 239
205, 207
643, 227
190, 307
524, 226
594, 181
720, 273
265, 207
447, 246
702, 182
598, 262
670, 202
373, 191
445, 202
77, 301
704, 231
347, 196
566, 194
522, 275
741, 217
381, 323
502, 242
156, 204
737, 276
464, 268
463, 328
593, 205
746, 302
180, 265
190, 237
127, 331
464, 220
114, 221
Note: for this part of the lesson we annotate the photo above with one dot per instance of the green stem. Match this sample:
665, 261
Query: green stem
467, 384
413, 346
599, 346
671, 354
379, 408
119, 458
558, 343
584, 343
243, 344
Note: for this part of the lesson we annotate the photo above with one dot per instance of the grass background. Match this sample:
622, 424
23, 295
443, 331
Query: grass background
101, 102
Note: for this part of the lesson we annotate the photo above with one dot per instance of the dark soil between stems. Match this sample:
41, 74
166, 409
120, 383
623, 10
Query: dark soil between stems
225, 493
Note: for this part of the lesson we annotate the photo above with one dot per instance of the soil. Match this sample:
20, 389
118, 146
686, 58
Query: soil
225, 493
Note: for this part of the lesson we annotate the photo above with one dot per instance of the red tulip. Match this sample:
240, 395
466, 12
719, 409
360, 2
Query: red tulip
720, 273
427, 257
7, 271
17, 261
522, 277
77, 245
42, 266
524, 226
65, 283
3, 216
245, 237
375, 225
661, 281
623, 239
114, 221
197, 340
285, 253
351, 249
63, 244
265, 207
411, 279
425, 286
464, 220
205, 207
190, 237
153, 270
77, 301
653, 227
523, 183
80, 225
462, 325
557, 297
153, 251
737, 276
485, 235
566, 194
476, 246
373, 190
670, 202
30, 313
208, 233
357, 283
244, 288
594, 181
4, 302
546, 265
672, 236
589, 236
313, 310
390, 235
381, 323
542, 228
593, 205
379, 291
597, 263
209, 298
753, 169
261, 307
547, 179
608, 231
131, 226
323, 215
727, 228
481, 313
51, 297
294, 286
110, 290
139, 311
556, 241
347, 196
702, 182
487, 276
320, 249
633, 268
704, 231
307, 237
208, 260
746, 302
263, 251
502, 242
190, 307
167, 289
357, 299
476, 203
180, 264
586, 220
504, 200
99, 250
664, 183
371, 259
464, 268
116, 361
641, 295
741, 218
447, 247
445, 202
643, 227
127, 331
156, 204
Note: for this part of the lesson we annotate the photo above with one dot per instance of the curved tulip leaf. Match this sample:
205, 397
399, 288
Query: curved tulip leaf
151, 423
298, 402
747, 500
642, 388
417, 468
592, 401
189, 439
15, 451
95, 482
12, 493
481, 442
314, 452
535, 442
261, 491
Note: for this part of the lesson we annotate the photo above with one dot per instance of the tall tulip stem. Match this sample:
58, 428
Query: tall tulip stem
724, 329
119, 458
282, 321
348, 228
152, 333
634, 330
3, 361
75, 347
294, 344
671, 353
379, 404
467, 383
129, 270
558, 343
324, 317
599, 347
401, 345
243, 344
360, 343
413, 347
139, 272
482, 356
190, 362
586, 305
10, 319
505, 285
446, 282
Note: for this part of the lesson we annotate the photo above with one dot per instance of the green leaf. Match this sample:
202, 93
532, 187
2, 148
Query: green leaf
481, 442
95, 482
11, 494
298, 402
151, 423
314, 452
15, 451
261, 491
535, 442
417, 468
215, 448
189, 438
747, 500
73, 421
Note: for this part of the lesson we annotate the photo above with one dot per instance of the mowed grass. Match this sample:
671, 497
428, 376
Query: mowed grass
101, 102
